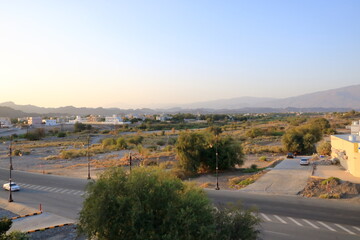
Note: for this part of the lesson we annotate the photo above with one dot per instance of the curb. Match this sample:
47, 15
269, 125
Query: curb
43, 229
27, 215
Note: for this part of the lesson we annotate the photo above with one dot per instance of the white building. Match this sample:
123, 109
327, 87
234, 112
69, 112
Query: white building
50, 122
5, 123
163, 117
114, 120
34, 121
355, 128
78, 119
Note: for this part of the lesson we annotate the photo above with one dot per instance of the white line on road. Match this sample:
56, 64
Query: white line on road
266, 217
58, 190
346, 230
284, 234
280, 219
311, 224
328, 227
299, 224
356, 228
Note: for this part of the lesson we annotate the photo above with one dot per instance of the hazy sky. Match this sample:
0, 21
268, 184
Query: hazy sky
146, 53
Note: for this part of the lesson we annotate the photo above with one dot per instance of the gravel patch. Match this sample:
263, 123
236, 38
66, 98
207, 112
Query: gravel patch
60, 233
6, 213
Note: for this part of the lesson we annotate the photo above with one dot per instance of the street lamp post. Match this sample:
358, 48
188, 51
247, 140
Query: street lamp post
88, 156
217, 164
11, 168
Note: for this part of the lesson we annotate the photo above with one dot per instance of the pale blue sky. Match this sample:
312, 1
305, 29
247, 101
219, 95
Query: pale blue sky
146, 53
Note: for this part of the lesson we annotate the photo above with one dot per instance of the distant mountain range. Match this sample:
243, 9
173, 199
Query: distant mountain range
346, 97
341, 99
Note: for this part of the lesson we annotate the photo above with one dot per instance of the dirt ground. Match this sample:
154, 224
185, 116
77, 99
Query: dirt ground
330, 188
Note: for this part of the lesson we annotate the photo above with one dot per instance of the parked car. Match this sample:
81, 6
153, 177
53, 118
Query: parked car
304, 161
290, 155
14, 187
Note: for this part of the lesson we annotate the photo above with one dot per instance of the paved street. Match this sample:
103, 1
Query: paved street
288, 177
283, 217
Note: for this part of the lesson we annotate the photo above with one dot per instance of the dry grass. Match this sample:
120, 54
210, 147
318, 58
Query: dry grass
245, 180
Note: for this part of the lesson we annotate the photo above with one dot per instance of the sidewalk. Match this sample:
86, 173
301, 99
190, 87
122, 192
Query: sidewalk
25, 224
326, 171
43, 220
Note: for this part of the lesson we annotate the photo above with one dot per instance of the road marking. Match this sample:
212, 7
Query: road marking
299, 224
64, 190
345, 229
41, 188
58, 190
35, 187
311, 224
284, 234
328, 227
266, 217
356, 228
280, 219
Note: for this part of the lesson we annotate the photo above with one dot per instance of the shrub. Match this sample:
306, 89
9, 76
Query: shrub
263, 158
35, 135
121, 143
61, 134
253, 166
136, 140
108, 142
324, 148
330, 196
160, 143
330, 180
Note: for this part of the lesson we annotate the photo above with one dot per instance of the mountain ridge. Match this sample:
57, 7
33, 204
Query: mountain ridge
340, 99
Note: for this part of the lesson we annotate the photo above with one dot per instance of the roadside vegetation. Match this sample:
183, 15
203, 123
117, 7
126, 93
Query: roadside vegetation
5, 225
157, 205
330, 188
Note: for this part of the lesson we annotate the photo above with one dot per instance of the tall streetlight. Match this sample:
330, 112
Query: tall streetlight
88, 156
217, 163
11, 168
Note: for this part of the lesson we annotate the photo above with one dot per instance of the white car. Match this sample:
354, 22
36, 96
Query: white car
304, 161
14, 187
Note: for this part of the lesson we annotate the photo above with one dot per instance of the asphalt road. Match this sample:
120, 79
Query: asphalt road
288, 177
284, 217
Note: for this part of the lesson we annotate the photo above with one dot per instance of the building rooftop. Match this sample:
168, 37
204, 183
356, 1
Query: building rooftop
349, 137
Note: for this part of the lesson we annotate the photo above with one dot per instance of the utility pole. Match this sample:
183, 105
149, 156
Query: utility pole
88, 156
217, 163
11, 168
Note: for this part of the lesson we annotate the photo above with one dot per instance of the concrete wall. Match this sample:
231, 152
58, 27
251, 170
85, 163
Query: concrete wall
348, 154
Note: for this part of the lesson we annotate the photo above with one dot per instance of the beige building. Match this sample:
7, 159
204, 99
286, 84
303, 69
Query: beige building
346, 149
34, 121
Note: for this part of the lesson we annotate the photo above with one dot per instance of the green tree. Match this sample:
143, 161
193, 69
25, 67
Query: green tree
233, 223
324, 148
190, 148
146, 204
301, 139
195, 149
254, 132
152, 204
